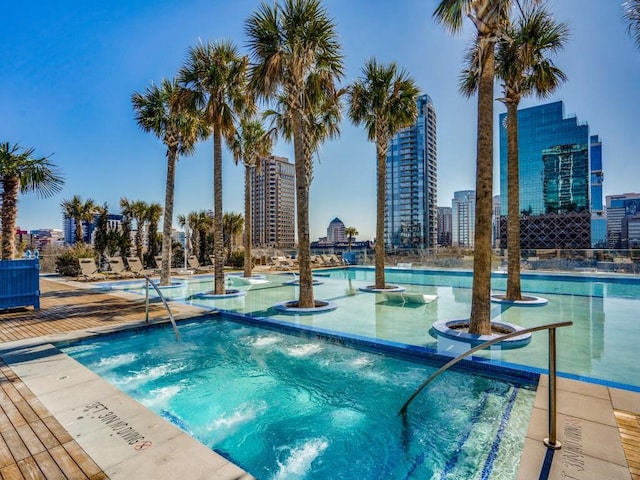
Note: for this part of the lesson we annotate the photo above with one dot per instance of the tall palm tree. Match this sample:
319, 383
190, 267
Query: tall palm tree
250, 144
525, 70
488, 17
81, 213
632, 16
139, 212
154, 213
384, 100
218, 74
290, 41
350, 232
20, 172
125, 237
233, 223
168, 111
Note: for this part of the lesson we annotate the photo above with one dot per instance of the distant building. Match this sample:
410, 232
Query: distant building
412, 183
463, 219
598, 218
273, 206
555, 211
335, 231
620, 207
444, 226
114, 222
495, 222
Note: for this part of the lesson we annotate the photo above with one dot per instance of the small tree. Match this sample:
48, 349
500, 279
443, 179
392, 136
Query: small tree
81, 213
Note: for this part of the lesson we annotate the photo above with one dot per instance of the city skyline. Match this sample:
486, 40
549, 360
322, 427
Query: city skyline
68, 73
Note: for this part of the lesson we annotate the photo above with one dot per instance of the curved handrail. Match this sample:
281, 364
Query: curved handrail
166, 305
486, 344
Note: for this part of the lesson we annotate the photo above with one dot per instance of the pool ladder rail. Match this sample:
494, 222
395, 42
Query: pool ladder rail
551, 442
164, 301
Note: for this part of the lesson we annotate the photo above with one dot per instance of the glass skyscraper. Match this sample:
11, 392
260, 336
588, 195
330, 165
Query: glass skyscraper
555, 171
412, 186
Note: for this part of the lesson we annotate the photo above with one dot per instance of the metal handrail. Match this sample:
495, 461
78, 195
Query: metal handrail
166, 305
550, 442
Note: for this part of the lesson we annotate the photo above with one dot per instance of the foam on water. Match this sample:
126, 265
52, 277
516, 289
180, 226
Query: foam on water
304, 350
147, 374
264, 341
297, 461
116, 360
243, 414
160, 397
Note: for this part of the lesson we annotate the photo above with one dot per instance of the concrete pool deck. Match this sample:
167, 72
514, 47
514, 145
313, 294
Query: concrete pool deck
59, 420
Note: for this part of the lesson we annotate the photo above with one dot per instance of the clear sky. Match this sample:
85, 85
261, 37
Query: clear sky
68, 69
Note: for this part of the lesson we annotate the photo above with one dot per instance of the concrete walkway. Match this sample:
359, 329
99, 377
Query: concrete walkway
59, 420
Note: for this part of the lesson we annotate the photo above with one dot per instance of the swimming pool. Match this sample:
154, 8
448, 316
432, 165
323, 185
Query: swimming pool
598, 348
287, 407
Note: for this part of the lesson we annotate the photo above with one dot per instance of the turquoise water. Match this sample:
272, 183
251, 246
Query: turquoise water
599, 347
286, 407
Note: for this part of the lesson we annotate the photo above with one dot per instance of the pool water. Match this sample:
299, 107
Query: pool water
286, 407
600, 346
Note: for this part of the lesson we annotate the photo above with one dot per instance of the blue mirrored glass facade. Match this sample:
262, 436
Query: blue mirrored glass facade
411, 181
556, 176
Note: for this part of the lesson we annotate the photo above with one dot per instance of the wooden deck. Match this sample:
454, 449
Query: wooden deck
33, 445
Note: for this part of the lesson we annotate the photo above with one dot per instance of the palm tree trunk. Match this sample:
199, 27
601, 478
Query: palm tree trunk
305, 296
218, 240
480, 321
381, 192
11, 185
172, 157
79, 231
247, 222
513, 204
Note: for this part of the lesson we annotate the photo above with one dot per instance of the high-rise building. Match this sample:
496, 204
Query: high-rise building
495, 222
114, 221
412, 185
444, 226
555, 209
463, 219
335, 231
620, 207
598, 218
273, 206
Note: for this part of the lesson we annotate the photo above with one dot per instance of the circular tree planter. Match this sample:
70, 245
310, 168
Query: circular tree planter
527, 301
387, 288
171, 285
229, 293
457, 330
290, 307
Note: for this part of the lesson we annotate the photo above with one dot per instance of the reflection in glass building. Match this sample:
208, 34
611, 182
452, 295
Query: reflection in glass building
555, 208
412, 186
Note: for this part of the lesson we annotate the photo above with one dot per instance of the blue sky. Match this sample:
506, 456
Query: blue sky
67, 72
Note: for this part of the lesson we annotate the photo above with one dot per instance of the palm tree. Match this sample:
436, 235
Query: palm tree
218, 74
350, 232
250, 144
233, 223
289, 42
199, 223
139, 212
168, 111
525, 70
488, 17
21, 173
154, 213
125, 234
632, 16
384, 100
81, 212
